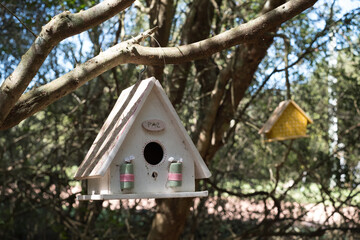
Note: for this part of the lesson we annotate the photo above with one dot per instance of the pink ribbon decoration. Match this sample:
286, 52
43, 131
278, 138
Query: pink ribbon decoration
126, 177
175, 176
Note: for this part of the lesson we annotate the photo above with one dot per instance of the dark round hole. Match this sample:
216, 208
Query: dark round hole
153, 153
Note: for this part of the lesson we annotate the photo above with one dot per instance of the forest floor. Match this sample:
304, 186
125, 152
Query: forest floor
232, 208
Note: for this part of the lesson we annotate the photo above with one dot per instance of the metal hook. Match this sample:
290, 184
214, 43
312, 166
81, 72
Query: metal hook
142, 71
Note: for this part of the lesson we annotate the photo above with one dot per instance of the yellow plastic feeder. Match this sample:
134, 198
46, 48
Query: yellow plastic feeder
288, 121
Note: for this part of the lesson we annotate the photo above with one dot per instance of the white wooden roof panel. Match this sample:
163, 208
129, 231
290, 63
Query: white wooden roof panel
101, 153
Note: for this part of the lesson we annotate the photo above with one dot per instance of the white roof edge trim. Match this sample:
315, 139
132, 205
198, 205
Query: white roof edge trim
94, 173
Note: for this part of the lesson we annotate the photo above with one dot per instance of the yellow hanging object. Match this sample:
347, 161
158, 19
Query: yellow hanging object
288, 121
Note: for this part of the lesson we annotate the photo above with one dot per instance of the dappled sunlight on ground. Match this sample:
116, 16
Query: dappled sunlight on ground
139, 204
246, 210
233, 208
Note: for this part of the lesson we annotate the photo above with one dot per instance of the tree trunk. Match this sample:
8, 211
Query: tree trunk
170, 218
161, 16
171, 214
215, 110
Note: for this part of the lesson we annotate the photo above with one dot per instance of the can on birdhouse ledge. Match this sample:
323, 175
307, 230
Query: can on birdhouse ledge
175, 173
127, 174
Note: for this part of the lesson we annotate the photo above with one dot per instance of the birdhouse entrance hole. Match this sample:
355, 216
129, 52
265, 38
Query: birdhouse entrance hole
153, 153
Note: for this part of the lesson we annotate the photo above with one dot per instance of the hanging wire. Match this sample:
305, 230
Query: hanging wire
163, 55
286, 60
141, 72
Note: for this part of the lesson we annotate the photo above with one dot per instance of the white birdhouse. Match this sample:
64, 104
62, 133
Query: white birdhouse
142, 150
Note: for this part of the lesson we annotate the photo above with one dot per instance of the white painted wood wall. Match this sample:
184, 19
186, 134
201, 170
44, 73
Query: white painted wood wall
136, 140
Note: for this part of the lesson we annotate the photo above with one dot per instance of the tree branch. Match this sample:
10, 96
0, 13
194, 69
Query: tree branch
244, 33
38, 98
125, 52
238, 194
59, 28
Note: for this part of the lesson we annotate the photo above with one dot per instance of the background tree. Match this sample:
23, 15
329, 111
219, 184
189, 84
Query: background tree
223, 89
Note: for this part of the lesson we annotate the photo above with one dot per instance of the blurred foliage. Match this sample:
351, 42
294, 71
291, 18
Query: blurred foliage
283, 180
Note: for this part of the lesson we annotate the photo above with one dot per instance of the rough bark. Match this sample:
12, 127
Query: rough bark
245, 63
170, 218
216, 111
210, 116
222, 105
207, 70
196, 28
244, 68
171, 214
161, 16
131, 52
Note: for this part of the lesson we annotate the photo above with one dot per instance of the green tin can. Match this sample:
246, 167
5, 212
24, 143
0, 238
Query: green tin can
175, 175
127, 176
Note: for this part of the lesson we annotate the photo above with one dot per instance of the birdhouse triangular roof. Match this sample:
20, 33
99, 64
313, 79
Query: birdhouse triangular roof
279, 110
118, 124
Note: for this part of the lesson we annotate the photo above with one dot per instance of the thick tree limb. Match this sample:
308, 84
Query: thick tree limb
126, 52
38, 98
59, 28
244, 33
